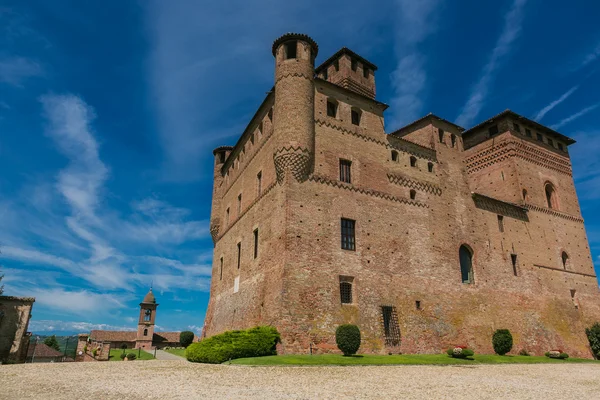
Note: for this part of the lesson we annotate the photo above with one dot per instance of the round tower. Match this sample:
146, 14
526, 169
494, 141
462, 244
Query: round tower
294, 109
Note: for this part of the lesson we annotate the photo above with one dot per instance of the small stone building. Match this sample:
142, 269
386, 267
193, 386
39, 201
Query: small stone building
426, 236
144, 338
15, 313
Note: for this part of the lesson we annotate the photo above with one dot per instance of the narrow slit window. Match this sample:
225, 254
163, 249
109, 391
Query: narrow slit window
501, 223
227, 216
255, 243
413, 161
524, 194
466, 264
355, 117
290, 50
239, 205
513, 259
365, 72
353, 64
348, 234
430, 167
345, 168
336, 65
413, 194
418, 304
221, 270
453, 139
259, 183
565, 259
441, 135
239, 254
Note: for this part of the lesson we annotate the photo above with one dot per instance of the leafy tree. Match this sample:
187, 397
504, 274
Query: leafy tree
186, 338
52, 342
502, 341
347, 338
593, 335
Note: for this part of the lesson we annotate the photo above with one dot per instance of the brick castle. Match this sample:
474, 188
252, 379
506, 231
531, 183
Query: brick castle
426, 237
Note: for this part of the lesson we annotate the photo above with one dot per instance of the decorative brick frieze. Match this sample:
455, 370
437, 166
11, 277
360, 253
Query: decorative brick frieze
413, 184
293, 160
553, 212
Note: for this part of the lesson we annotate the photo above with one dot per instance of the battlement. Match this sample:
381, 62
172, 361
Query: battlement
349, 70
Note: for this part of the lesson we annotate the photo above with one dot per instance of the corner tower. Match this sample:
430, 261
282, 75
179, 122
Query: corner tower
294, 110
145, 331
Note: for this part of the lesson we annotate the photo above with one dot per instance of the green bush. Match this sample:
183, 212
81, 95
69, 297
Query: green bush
131, 356
523, 352
502, 341
255, 342
347, 338
559, 354
122, 355
124, 346
186, 338
460, 352
593, 335
95, 352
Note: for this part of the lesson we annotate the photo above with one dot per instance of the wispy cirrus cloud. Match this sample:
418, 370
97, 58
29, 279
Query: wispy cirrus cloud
589, 58
409, 79
554, 103
73, 326
15, 70
574, 116
510, 32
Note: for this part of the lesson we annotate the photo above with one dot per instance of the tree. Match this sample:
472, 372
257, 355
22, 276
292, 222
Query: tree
52, 342
593, 334
186, 338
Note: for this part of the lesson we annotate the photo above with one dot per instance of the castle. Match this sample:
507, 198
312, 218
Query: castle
429, 236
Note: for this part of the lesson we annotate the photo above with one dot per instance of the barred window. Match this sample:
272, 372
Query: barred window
391, 329
348, 238
345, 166
346, 289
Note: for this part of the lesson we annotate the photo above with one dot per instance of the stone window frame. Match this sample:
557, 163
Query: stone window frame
348, 234
346, 285
470, 273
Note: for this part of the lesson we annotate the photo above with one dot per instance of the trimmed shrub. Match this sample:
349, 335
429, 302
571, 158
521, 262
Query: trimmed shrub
186, 338
124, 346
131, 356
460, 352
122, 355
593, 335
502, 341
255, 342
559, 354
523, 352
347, 338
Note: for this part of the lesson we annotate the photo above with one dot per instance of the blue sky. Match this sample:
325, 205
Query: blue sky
109, 112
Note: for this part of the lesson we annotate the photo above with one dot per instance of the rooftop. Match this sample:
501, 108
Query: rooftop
338, 54
407, 128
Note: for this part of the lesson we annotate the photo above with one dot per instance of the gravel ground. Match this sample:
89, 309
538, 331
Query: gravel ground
182, 380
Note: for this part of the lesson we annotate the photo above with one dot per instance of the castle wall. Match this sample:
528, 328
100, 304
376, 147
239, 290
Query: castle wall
15, 313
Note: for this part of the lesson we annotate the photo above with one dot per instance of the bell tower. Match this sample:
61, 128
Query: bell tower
146, 322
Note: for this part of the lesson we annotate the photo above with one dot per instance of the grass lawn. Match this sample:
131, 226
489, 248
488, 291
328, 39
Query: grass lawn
115, 354
177, 352
408, 359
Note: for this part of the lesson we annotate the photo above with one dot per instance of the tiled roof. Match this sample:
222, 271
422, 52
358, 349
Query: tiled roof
113, 336
171, 337
42, 350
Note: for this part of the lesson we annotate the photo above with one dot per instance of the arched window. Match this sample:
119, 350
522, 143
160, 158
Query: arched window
394, 155
413, 194
565, 259
524, 194
551, 198
413, 161
145, 332
465, 256
147, 315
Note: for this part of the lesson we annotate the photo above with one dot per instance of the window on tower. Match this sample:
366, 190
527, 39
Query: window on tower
146, 332
147, 315
290, 50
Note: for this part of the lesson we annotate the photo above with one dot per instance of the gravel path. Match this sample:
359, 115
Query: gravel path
163, 355
182, 380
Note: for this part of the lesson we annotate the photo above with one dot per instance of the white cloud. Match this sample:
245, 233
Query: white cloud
574, 116
81, 302
36, 326
415, 23
14, 70
196, 329
556, 102
510, 32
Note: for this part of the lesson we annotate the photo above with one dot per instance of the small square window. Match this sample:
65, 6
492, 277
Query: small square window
353, 64
527, 133
394, 155
290, 49
560, 146
550, 142
539, 137
517, 127
365, 72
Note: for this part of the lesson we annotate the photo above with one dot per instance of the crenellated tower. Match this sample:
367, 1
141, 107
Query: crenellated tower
220, 153
294, 110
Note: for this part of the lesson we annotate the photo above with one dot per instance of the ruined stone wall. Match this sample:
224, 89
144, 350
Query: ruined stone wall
15, 313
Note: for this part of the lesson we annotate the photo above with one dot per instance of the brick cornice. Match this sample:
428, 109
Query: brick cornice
293, 75
414, 184
400, 144
369, 192
553, 212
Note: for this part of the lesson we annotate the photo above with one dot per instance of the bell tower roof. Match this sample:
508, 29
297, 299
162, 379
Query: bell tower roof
149, 298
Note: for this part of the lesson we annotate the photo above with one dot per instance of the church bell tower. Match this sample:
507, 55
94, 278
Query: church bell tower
145, 330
